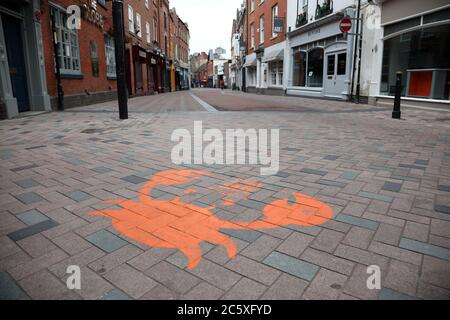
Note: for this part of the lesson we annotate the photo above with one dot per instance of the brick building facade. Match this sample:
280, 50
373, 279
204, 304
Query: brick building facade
86, 55
265, 45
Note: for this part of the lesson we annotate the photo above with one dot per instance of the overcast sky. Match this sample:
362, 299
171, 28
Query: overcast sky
209, 22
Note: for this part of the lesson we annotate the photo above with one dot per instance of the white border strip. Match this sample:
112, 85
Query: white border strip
205, 105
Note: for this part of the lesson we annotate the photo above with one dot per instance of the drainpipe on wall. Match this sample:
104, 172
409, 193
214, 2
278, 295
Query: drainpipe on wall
355, 50
59, 86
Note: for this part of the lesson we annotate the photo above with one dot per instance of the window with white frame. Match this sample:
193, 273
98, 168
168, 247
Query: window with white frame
302, 6
130, 19
110, 57
147, 31
276, 73
146, 4
155, 29
261, 29
139, 25
68, 46
252, 35
252, 5
274, 16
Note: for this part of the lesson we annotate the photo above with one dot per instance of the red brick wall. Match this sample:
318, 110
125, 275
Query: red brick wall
264, 8
89, 32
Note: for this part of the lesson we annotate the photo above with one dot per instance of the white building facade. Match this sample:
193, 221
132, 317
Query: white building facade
319, 57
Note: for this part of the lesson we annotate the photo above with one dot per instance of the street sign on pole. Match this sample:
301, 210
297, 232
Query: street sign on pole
345, 25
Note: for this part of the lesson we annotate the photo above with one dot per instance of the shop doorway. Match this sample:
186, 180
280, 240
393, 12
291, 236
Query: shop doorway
335, 84
12, 30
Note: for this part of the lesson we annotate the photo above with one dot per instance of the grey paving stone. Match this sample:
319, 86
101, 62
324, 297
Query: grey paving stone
422, 162
425, 248
173, 277
444, 188
314, 172
375, 196
392, 186
18, 169
286, 287
132, 282
245, 289
203, 291
332, 183
102, 170
106, 241
442, 209
32, 217
211, 272
356, 221
293, 266
27, 183
283, 174
331, 158
246, 235
32, 230
253, 270
348, 175
261, 248
9, 290
410, 166
78, 196
389, 294
134, 179
29, 198
116, 295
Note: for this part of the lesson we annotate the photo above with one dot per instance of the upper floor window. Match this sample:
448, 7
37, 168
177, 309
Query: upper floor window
274, 15
146, 4
252, 35
261, 29
130, 19
68, 45
147, 31
139, 25
252, 5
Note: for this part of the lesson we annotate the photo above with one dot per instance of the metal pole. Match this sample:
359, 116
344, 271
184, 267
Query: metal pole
355, 48
358, 85
397, 114
119, 44
59, 87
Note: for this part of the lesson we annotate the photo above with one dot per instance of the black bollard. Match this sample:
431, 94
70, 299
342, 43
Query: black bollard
397, 114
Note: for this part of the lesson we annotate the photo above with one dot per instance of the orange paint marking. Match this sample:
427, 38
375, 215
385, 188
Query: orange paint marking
183, 226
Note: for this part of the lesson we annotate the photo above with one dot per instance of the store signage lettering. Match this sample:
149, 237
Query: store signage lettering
313, 32
90, 13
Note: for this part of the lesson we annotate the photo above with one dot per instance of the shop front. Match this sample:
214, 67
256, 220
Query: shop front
320, 60
422, 55
23, 85
250, 67
273, 60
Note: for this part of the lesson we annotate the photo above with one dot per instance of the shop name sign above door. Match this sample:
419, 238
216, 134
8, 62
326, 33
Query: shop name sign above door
89, 13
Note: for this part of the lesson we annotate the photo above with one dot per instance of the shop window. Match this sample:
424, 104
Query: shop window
423, 58
68, 46
110, 57
276, 73
331, 64
299, 69
342, 64
315, 67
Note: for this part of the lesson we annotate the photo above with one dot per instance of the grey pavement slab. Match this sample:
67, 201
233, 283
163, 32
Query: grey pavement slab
106, 241
32, 230
291, 265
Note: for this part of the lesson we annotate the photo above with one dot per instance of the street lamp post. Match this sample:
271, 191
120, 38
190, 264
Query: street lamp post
119, 44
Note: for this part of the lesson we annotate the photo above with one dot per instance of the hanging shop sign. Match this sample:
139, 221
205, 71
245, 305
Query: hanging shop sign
89, 13
278, 25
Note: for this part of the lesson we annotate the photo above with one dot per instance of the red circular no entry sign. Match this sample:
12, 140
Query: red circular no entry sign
345, 25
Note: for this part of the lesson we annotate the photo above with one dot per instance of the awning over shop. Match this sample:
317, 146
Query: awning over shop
250, 61
273, 55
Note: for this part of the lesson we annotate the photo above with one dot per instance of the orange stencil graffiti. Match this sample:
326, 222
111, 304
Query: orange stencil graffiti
183, 226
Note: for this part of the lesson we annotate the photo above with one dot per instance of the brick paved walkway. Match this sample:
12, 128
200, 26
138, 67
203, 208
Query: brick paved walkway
387, 181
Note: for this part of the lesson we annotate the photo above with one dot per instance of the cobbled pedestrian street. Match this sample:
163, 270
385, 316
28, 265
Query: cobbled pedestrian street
387, 182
